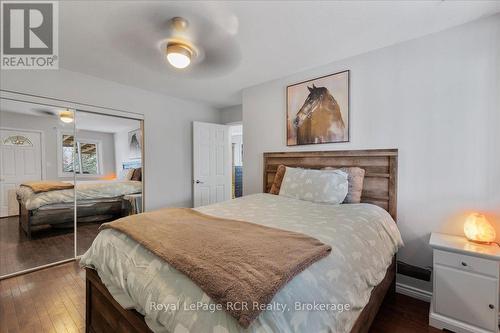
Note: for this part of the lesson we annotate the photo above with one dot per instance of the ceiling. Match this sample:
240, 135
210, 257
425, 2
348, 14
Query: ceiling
104, 123
84, 120
118, 40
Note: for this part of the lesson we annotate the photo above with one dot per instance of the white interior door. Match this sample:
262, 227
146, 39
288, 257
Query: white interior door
20, 161
211, 163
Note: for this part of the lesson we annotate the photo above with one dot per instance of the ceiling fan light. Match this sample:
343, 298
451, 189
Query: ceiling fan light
66, 116
179, 55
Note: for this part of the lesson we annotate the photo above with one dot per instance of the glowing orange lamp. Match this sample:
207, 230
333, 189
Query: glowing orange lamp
109, 176
478, 229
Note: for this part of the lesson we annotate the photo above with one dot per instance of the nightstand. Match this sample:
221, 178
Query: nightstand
465, 294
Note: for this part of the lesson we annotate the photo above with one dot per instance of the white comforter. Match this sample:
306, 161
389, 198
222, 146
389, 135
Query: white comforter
90, 190
363, 238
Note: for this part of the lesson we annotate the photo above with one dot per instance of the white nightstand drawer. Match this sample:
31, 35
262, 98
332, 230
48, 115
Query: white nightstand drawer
466, 263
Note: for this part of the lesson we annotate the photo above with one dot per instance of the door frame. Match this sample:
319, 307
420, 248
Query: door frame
62, 103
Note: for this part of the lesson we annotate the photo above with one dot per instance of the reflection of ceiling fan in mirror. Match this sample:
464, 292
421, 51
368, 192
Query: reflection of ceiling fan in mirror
64, 115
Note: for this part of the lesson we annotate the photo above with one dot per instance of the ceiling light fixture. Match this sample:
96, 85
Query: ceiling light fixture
66, 116
179, 55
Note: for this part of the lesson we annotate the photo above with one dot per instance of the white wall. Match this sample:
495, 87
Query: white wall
231, 114
50, 127
436, 99
168, 128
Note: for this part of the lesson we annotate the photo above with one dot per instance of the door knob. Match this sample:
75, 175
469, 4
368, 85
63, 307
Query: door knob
198, 181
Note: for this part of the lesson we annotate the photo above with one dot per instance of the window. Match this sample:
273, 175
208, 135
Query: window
81, 157
88, 158
67, 151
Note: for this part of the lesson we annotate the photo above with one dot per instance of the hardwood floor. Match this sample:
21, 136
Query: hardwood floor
47, 245
53, 300
48, 300
401, 313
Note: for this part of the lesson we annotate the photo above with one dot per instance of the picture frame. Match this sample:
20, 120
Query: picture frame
135, 144
318, 110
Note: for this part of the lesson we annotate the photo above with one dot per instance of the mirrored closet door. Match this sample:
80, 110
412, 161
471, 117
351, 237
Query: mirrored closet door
65, 169
109, 172
36, 185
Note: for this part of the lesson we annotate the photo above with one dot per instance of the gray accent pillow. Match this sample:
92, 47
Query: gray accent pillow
355, 177
315, 185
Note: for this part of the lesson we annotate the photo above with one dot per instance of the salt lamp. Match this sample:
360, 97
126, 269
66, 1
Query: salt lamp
478, 229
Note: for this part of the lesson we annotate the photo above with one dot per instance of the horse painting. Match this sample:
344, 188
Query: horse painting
318, 119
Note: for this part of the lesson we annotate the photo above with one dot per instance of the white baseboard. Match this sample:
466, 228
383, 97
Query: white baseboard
410, 291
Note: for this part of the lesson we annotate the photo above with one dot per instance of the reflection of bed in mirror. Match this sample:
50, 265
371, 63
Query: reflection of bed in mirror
97, 201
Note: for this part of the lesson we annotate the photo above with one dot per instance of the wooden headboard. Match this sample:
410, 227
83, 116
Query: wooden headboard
381, 170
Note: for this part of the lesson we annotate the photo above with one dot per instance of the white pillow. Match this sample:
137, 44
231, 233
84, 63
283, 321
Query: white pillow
126, 174
315, 185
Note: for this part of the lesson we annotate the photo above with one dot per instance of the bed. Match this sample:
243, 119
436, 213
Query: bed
96, 201
364, 244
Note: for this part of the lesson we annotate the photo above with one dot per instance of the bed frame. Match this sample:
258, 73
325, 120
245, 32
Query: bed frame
62, 215
104, 314
380, 165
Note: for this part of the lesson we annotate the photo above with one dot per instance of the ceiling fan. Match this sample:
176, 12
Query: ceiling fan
179, 49
203, 45
202, 36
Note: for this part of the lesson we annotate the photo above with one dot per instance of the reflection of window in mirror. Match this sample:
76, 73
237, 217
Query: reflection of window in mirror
87, 154
81, 156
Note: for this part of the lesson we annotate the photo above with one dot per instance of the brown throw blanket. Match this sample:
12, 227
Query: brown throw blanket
46, 186
234, 262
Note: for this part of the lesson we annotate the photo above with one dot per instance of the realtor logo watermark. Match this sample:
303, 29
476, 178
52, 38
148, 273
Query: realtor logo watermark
30, 35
